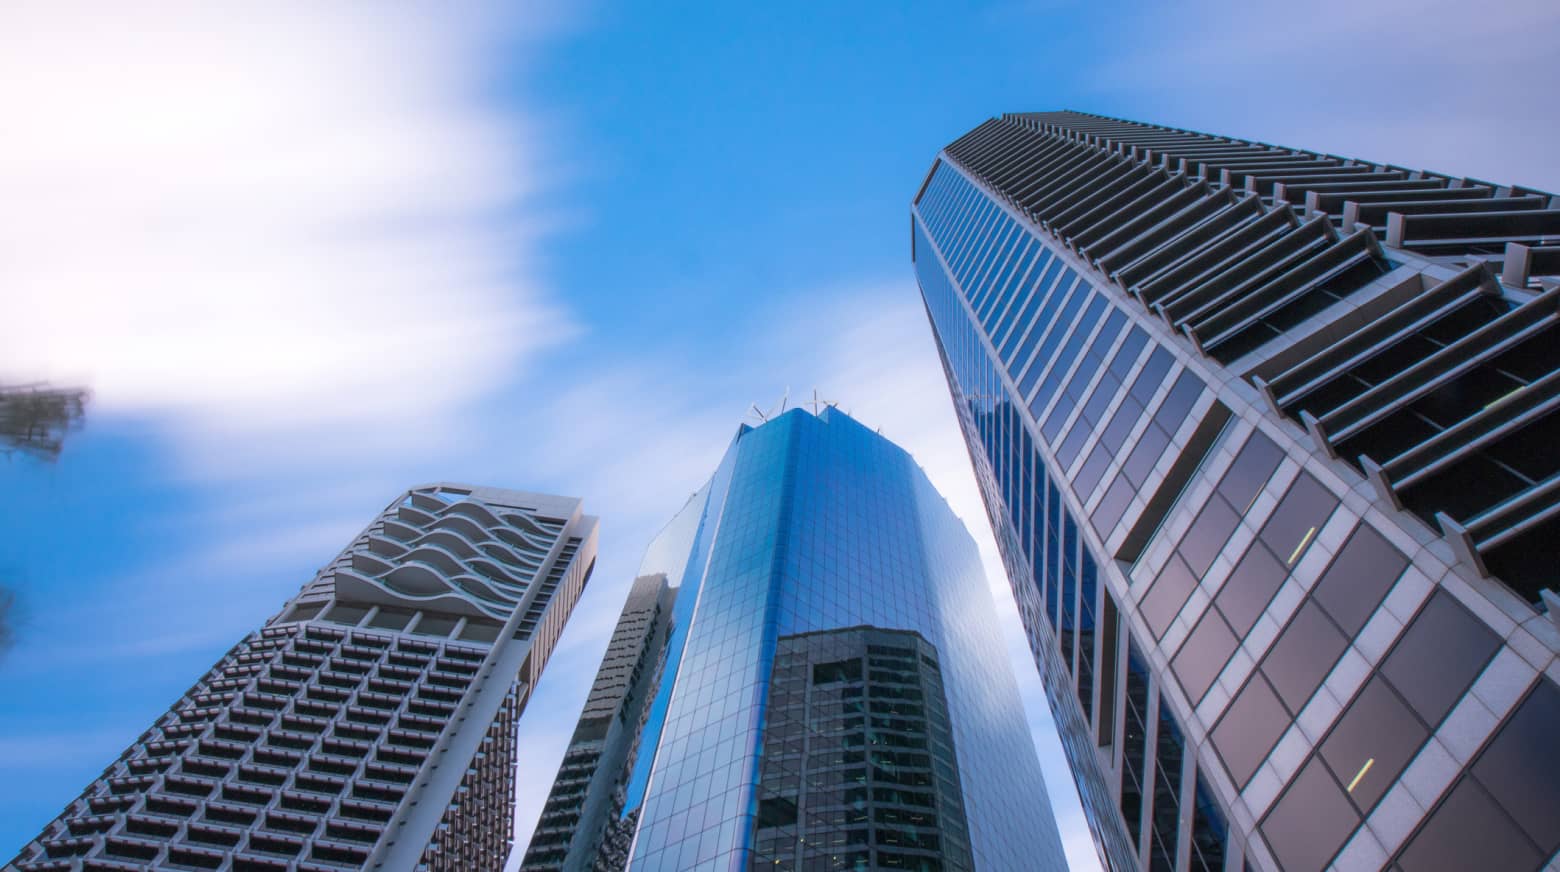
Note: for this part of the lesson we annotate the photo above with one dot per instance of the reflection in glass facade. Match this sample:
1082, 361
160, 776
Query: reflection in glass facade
833, 674
1267, 445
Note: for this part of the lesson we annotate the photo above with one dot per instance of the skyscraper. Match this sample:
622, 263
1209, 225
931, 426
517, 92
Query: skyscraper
581, 825
831, 691
370, 723
1267, 438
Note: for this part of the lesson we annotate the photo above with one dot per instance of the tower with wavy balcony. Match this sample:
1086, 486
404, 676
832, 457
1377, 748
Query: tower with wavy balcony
370, 723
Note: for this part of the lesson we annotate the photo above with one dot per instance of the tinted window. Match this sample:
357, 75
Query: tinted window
1206, 537
1439, 655
1298, 517
1250, 471
1143, 457
1303, 655
1251, 726
1373, 741
1250, 587
1178, 403
1354, 585
1521, 766
1203, 655
1467, 832
1168, 594
1310, 822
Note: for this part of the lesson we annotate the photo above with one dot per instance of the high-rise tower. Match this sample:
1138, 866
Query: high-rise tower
371, 723
1268, 441
830, 692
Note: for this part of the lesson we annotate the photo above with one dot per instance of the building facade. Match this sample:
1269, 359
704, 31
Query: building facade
368, 725
832, 691
1266, 437
579, 829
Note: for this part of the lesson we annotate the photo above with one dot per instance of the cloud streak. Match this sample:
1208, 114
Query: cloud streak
253, 216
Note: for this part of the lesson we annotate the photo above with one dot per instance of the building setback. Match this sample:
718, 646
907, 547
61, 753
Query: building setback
832, 690
1268, 441
368, 725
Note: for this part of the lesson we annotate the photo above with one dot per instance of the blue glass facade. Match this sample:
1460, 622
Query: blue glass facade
1263, 468
814, 524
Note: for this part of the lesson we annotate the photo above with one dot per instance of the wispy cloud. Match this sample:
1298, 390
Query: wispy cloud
1456, 87
251, 216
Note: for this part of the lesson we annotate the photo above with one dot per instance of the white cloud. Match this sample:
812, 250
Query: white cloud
263, 215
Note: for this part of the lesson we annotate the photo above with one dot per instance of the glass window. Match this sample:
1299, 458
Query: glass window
1206, 536
1151, 444
1203, 655
1468, 831
1250, 587
1440, 654
1112, 506
1310, 822
1298, 517
1178, 403
1053, 334
1252, 724
1210, 833
1521, 766
1064, 359
1153, 372
1250, 470
1128, 353
1169, 748
1135, 742
1303, 655
1040, 295
1169, 593
1354, 585
1373, 741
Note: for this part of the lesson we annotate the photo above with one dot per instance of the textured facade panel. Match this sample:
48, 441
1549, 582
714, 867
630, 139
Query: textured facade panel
371, 723
1258, 430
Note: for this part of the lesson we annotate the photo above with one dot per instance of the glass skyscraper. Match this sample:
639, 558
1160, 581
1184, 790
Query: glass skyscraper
1268, 441
368, 725
831, 692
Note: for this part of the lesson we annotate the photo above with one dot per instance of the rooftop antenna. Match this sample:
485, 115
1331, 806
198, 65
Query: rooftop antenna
818, 404
763, 417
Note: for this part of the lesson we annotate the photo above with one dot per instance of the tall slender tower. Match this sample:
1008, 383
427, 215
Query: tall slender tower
371, 723
831, 690
1268, 441
581, 825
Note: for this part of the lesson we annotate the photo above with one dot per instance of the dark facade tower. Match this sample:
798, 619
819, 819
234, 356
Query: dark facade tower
1268, 441
579, 823
832, 691
371, 723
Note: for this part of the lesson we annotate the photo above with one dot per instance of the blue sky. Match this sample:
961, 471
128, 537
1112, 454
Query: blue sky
307, 256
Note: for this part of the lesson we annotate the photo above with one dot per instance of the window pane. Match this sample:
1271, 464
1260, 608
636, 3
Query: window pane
1354, 585
1203, 655
1373, 741
1521, 766
1168, 594
1250, 587
1310, 822
1251, 726
1206, 536
1443, 650
1468, 831
1300, 514
1250, 471
1303, 655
